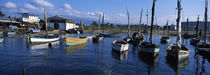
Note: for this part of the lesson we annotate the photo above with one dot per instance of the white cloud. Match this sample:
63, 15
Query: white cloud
44, 3
91, 13
10, 5
29, 6
67, 6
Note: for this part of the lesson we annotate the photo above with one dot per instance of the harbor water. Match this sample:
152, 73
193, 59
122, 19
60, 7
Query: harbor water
17, 57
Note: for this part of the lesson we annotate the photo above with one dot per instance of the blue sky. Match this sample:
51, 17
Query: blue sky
114, 10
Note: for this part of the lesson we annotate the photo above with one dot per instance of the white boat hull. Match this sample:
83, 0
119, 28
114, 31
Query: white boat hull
120, 47
43, 40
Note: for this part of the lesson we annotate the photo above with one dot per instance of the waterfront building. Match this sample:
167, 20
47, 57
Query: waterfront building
31, 18
192, 26
61, 23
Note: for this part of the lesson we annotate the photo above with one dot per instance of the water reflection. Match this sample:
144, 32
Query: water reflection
177, 65
73, 48
120, 56
44, 46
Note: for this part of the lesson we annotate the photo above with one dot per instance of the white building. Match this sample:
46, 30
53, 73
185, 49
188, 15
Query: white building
31, 18
58, 22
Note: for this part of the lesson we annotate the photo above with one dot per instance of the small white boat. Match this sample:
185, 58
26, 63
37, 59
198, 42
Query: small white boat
120, 46
165, 39
44, 38
149, 49
177, 53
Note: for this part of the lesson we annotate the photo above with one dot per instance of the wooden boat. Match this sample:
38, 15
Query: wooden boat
165, 39
174, 51
105, 35
97, 38
177, 50
203, 47
137, 38
43, 38
120, 46
149, 48
76, 41
194, 41
128, 38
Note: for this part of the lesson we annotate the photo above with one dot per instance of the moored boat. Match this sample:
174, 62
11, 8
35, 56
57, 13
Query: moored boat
137, 38
203, 47
178, 53
120, 46
76, 41
43, 38
165, 39
177, 50
97, 38
149, 49
194, 41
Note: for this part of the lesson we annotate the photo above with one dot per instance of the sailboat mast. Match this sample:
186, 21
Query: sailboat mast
153, 12
128, 22
82, 26
197, 26
103, 22
187, 24
140, 21
178, 42
45, 19
167, 28
206, 19
99, 23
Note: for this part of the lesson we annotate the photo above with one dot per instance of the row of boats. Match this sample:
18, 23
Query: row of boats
177, 51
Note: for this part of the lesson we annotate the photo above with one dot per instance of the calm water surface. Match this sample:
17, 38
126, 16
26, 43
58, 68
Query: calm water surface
94, 59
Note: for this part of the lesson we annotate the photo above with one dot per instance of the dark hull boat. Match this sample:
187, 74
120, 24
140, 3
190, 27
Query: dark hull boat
178, 53
149, 49
97, 38
165, 39
109, 35
137, 38
194, 41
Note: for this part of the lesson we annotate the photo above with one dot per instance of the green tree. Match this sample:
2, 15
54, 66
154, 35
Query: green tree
2, 14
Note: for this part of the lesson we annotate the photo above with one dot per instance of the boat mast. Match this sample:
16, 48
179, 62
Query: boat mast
45, 19
140, 21
103, 22
147, 20
167, 28
206, 19
128, 22
178, 41
187, 24
99, 23
197, 26
153, 12
82, 26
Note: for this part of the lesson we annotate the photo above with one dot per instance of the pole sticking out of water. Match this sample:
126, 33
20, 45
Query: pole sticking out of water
45, 19
197, 26
128, 22
167, 28
187, 24
178, 41
82, 26
206, 19
140, 20
153, 12
103, 22
99, 23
